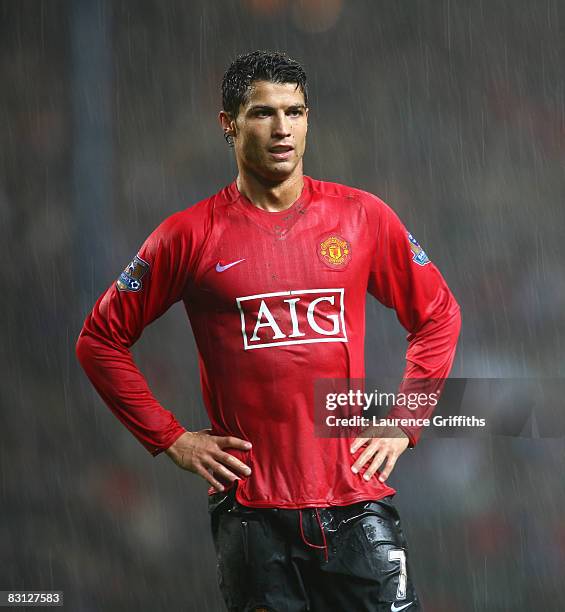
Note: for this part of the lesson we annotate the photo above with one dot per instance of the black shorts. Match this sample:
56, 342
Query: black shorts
339, 559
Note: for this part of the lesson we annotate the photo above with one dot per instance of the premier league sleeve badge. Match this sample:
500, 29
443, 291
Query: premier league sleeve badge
130, 278
418, 254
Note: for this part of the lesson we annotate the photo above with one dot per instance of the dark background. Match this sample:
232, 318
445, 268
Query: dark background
452, 112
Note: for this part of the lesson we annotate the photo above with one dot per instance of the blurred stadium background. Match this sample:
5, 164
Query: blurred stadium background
451, 111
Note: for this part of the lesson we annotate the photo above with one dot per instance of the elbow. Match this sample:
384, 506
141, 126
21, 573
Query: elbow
81, 348
446, 311
456, 313
91, 345
446, 317
84, 345
450, 320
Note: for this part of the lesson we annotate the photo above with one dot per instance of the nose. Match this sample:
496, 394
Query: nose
281, 125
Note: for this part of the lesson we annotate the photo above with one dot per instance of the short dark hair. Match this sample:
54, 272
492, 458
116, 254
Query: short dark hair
272, 66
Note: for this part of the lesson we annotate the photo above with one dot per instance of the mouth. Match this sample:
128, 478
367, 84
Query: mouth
281, 152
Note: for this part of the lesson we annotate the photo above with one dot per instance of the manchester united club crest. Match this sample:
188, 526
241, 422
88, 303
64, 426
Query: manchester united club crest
335, 251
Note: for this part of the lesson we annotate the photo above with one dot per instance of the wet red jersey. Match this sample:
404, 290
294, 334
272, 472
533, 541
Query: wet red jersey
276, 300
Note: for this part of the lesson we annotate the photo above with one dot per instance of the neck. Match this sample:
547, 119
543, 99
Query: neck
268, 195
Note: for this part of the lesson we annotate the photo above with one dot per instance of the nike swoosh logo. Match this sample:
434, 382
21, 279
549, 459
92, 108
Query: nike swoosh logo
403, 607
220, 268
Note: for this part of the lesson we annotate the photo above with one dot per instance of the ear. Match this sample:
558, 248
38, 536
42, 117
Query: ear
227, 123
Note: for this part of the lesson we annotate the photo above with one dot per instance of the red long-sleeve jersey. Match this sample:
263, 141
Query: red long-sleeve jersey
276, 300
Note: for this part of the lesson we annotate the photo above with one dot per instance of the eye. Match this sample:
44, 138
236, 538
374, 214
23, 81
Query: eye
295, 112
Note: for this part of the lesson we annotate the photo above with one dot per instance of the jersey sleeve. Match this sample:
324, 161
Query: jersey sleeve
148, 286
402, 277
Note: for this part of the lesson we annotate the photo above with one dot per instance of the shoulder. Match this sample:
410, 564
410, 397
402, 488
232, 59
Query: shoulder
373, 206
192, 222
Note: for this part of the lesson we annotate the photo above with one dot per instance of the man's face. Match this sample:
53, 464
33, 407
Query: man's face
270, 130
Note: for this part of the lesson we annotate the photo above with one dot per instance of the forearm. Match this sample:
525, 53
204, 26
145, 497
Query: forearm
118, 381
429, 359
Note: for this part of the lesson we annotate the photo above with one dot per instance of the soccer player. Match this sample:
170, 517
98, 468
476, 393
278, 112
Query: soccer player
273, 271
